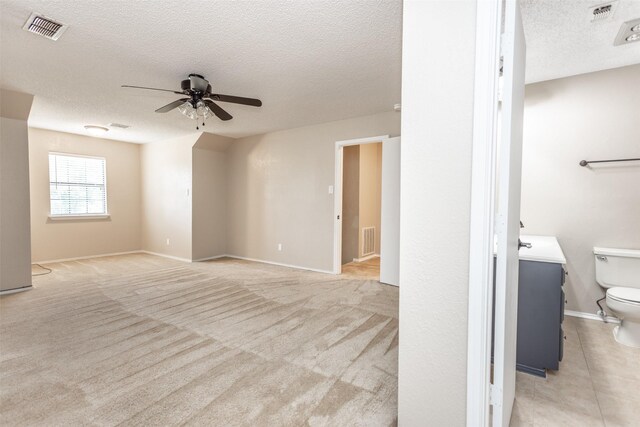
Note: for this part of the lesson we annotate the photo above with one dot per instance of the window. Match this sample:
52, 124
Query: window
77, 185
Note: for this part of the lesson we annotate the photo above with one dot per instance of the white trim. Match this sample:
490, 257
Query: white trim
166, 256
51, 261
16, 290
106, 189
78, 217
479, 329
210, 258
62, 153
591, 316
625, 253
366, 258
337, 195
279, 264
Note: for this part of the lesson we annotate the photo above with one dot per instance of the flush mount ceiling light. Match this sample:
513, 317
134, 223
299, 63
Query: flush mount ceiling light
633, 37
636, 28
96, 130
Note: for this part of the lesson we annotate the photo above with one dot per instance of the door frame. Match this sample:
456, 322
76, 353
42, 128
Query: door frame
337, 194
482, 213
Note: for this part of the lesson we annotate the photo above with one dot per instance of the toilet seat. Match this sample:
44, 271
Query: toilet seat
625, 295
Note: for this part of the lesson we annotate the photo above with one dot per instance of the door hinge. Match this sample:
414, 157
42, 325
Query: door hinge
495, 395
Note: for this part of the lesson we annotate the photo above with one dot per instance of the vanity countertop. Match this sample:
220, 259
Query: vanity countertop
543, 249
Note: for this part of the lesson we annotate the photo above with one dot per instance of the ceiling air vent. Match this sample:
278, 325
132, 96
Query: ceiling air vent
118, 125
629, 32
44, 27
602, 12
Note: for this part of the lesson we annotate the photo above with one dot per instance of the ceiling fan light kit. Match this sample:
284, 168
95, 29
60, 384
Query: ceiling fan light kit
198, 102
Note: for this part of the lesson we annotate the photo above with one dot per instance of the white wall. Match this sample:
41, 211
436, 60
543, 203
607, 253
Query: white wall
437, 113
278, 190
166, 168
591, 116
121, 232
209, 227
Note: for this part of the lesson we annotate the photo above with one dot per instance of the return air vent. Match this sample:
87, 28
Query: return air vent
602, 12
44, 27
368, 240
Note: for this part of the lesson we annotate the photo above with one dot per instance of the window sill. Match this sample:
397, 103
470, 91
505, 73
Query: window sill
78, 217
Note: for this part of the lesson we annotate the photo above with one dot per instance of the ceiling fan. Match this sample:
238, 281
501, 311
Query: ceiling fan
198, 101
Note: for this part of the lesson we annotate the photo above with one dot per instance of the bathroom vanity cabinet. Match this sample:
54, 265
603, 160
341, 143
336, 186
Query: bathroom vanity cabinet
541, 302
540, 314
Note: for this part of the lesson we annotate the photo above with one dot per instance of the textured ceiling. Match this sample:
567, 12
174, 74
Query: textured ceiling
562, 42
310, 61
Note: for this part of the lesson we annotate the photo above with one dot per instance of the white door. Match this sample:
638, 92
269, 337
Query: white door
508, 216
390, 212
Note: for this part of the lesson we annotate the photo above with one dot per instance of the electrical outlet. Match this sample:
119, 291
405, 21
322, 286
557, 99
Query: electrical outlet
168, 242
280, 246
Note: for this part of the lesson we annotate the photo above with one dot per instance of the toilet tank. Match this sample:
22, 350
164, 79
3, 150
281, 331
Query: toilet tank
617, 267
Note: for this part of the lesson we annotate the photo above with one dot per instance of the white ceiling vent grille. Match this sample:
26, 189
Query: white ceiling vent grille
602, 12
119, 125
44, 27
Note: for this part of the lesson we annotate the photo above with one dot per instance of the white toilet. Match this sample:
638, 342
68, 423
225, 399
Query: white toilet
618, 270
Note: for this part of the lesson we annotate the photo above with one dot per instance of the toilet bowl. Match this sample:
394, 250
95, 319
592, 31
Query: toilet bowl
618, 271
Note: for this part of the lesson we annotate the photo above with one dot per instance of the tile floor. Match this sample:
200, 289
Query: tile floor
598, 383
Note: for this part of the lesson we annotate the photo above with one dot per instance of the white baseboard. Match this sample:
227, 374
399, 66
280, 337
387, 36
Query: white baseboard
51, 261
591, 316
279, 264
16, 290
186, 260
165, 256
366, 258
210, 258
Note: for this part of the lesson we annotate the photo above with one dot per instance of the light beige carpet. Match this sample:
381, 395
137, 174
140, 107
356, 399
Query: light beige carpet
142, 340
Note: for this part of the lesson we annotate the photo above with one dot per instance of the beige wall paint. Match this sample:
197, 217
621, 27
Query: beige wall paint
15, 228
15, 105
121, 232
15, 242
592, 116
370, 191
379, 197
350, 203
209, 206
278, 190
166, 196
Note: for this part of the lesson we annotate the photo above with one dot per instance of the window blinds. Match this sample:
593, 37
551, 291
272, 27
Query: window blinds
77, 185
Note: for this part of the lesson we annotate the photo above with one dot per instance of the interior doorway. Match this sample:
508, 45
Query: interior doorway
361, 210
367, 208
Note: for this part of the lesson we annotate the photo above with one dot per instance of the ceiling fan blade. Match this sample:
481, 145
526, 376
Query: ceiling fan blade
218, 111
236, 100
172, 105
153, 88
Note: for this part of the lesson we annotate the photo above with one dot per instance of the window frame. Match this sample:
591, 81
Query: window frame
58, 217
